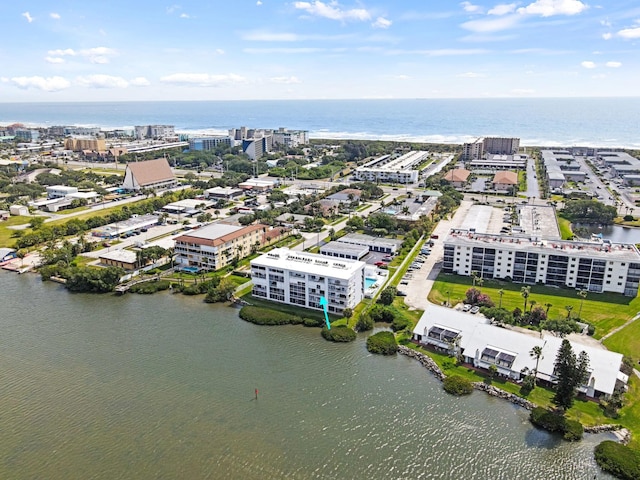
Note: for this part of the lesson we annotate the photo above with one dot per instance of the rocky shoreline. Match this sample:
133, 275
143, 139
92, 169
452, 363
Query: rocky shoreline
622, 433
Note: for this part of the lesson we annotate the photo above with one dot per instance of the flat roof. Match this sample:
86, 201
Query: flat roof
125, 256
312, 263
369, 240
214, 230
531, 243
343, 247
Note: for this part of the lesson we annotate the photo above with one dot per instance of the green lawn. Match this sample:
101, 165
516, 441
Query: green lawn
630, 413
626, 341
565, 228
604, 310
6, 234
293, 310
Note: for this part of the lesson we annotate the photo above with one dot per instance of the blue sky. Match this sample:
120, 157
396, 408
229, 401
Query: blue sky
265, 49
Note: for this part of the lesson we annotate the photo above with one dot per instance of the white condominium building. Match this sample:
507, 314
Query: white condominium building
299, 278
390, 169
592, 266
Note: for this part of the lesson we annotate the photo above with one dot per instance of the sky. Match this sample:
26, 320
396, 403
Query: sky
357, 49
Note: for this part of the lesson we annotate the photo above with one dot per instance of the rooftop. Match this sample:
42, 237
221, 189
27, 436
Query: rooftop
151, 171
531, 243
312, 263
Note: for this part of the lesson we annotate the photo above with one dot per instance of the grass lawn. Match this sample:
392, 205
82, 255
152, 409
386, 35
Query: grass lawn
604, 310
6, 234
238, 280
565, 228
630, 413
626, 341
72, 210
290, 309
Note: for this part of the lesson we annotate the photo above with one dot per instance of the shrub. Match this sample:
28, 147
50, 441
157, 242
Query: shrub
340, 333
387, 295
573, 430
457, 385
556, 422
550, 421
152, 286
628, 218
618, 459
312, 322
400, 323
383, 343
265, 316
365, 323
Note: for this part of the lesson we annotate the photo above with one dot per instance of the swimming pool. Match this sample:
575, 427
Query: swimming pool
190, 269
369, 282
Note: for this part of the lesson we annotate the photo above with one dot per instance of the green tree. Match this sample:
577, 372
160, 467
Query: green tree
501, 293
571, 372
388, 295
583, 295
525, 292
536, 352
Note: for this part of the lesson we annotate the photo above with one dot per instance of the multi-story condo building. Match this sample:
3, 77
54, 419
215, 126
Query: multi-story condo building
299, 278
492, 145
77, 144
391, 169
290, 138
154, 131
209, 143
26, 135
215, 246
256, 147
592, 266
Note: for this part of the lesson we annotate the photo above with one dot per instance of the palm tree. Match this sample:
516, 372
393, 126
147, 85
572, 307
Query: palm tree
524, 292
532, 304
217, 213
548, 305
501, 293
582, 294
569, 308
536, 352
474, 276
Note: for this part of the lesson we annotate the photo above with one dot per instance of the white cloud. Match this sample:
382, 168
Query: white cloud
28, 16
588, 64
492, 24
607, 36
94, 55
402, 77
285, 80
260, 36
502, 9
605, 23
54, 59
471, 75
185, 15
48, 84
283, 51
258, 3
54, 15
202, 79
613, 64
332, 11
140, 82
630, 33
218, 51
381, 22
101, 81
549, 8
471, 8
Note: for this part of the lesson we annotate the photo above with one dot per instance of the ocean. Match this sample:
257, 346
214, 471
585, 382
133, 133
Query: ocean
598, 122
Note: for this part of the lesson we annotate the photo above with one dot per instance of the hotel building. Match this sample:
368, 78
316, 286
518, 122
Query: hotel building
299, 278
592, 266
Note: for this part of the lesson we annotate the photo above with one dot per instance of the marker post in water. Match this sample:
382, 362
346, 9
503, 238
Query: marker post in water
323, 302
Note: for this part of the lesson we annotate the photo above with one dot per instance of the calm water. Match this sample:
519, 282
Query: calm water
615, 233
603, 122
107, 387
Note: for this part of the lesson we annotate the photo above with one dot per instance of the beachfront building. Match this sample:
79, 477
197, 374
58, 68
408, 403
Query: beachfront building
592, 266
391, 169
209, 143
482, 345
490, 145
499, 162
152, 174
154, 131
299, 278
217, 245
290, 138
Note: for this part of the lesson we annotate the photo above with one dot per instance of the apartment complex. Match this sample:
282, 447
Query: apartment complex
215, 246
490, 145
391, 169
79, 143
154, 131
592, 266
290, 138
209, 143
299, 278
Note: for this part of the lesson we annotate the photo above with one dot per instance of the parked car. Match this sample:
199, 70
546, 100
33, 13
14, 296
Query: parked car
379, 264
466, 307
474, 310
400, 293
